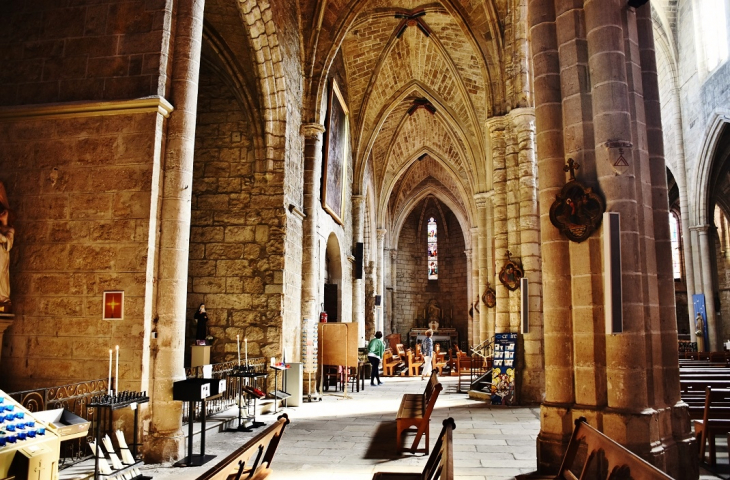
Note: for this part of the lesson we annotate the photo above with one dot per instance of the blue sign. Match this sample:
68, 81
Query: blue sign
504, 365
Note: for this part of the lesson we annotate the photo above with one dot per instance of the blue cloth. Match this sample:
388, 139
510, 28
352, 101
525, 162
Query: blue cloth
427, 347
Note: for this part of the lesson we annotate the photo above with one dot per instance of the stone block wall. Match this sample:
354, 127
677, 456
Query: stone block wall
414, 290
236, 264
81, 188
86, 50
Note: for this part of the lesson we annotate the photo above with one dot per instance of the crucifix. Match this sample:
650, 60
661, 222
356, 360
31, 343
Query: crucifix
572, 166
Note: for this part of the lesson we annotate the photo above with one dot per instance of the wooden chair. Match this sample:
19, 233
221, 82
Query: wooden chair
390, 363
415, 411
412, 364
715, 420
439, 360
440, 463
253, 460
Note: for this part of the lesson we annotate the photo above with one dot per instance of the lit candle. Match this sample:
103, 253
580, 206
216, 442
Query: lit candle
116, 373
109, 382
245, 346
238, 348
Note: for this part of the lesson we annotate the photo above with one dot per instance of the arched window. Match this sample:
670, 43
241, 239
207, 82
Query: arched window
713, 32
433, 259
674, 237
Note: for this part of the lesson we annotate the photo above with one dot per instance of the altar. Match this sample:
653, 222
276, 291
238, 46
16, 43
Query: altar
447, 337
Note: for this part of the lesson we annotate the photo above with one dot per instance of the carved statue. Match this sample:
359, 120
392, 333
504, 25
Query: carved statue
433, 311
700, 332
7, 234
201, 323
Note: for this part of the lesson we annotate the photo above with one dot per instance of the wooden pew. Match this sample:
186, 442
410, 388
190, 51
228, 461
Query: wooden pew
259, 450
618, 462
390, 363
715, 421
440, 463
415, 411
412, 363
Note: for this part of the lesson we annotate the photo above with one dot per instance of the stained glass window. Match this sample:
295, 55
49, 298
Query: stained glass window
674, 237
433, 259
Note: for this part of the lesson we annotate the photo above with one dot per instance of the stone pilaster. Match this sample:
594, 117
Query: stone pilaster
165, 441
312, 133
393, 259
491, 313
475, 300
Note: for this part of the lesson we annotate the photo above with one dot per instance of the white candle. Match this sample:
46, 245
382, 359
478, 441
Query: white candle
109, 382
116, 373
245, 345
238, 347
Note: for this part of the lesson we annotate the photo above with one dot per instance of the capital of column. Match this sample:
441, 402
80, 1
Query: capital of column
393, 254
312, 130
381, 233
700, 228
482, 198
495, 124
467, 252
358, 198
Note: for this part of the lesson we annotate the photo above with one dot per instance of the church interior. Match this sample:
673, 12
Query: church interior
187, 186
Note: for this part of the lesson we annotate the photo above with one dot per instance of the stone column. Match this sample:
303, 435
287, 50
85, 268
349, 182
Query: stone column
555, 414
491, 313
358, 285
312, 133
469, 289
166, 438
393, 285
708, 289
499, 220
475, 300
481, 202
380, 279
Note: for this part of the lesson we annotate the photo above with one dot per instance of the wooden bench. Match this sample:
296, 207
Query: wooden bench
415, 411
260, 450
390, 363
613, 460
440, 463
715, 420
412, 363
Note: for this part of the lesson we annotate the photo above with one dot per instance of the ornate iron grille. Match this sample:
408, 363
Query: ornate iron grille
73, 397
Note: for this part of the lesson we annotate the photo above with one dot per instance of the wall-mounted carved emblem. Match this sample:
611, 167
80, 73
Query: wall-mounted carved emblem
577, 210
490, 297
511, 274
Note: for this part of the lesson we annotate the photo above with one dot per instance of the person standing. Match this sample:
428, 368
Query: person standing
376, 349
427, 351
7, 235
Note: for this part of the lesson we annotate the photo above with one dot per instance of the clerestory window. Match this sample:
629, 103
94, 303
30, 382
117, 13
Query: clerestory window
674, 237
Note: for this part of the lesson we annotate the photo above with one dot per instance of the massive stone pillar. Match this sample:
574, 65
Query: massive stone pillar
358, 285
165, 441
491, 313
626, 383
310, 254
475, 299
393, 285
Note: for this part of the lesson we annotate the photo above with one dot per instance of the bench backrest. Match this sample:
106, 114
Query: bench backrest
252, 460
717, 399
440, 464
401, 350
388, 357
433, 387
603, 455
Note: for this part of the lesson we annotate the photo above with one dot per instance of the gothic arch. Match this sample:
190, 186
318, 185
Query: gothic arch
717, 127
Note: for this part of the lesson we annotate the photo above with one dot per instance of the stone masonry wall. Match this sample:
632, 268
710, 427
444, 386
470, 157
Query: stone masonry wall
236, 243
82, 50
81, 189
414, 290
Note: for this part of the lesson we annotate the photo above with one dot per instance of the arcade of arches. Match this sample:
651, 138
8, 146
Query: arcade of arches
179, 151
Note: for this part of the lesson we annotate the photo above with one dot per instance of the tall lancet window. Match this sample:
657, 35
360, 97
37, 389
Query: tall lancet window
674, 237
433, 258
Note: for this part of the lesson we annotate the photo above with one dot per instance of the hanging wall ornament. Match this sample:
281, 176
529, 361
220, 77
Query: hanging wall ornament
577, 210
510, 274
490, 297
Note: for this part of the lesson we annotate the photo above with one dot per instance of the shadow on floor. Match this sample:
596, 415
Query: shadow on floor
382, 444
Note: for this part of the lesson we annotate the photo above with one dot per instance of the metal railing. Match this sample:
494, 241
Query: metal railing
227, 399
73, 397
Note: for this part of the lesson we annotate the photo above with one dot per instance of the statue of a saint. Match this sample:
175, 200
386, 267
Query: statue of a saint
201, 323
700, 332
7, 235
433, 314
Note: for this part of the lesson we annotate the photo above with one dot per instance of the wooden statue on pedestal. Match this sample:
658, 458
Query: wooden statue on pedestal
7, 235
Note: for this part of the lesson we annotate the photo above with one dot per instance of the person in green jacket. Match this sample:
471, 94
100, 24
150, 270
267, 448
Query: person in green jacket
376, 349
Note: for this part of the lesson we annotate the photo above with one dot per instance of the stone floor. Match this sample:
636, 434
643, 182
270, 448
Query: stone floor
352, 438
